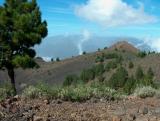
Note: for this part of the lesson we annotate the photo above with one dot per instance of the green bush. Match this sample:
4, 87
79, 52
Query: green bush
130, 85
84, 53
130, 65
146, 81
70, 79
58, 59
78, 93
105, 48
119, 59
87, 75
6, 91
111, 65
142, 54
32, 92
52, 60
150, 73
119, 78
101, 78
98, 69
139, 73
111, 55
145, 91
85, 92
41, 90
99, 59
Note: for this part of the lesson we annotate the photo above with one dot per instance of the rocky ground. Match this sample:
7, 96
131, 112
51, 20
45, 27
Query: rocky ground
131, 109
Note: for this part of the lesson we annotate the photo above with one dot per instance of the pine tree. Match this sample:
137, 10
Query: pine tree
21, 28
119, 78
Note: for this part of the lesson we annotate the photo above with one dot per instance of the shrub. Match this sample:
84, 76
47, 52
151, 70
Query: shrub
52, 60
129, 85
111, 55
78, 93
101, 78
150, 73
58, 59
99, 59
6, 91
81, 93
70, 79
119, 59
84, 53
41, 90
130, 65
142, 54
98, 69
146, 81
145, 91
87, 74
32, 92
105, 48
111, 65
139, 73
119, 78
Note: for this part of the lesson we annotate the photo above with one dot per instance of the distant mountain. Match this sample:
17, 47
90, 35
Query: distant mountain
68, 46
124, 46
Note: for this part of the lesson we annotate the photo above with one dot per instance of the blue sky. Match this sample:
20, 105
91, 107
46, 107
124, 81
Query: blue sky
63, 20
104, 18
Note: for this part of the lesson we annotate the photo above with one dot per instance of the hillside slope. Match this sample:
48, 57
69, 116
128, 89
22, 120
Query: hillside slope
55, 72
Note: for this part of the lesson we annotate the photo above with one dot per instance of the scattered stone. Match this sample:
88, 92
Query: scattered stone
131, 117
35, 110
37, 118
46, 102
28, 108
59, 101
145, 110
16, 98
36, 107
120, 112
13, 108
116, 118
153, 119
157, 110
142, 119
8, 101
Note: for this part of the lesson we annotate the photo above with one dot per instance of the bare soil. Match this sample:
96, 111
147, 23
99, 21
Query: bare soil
131, 109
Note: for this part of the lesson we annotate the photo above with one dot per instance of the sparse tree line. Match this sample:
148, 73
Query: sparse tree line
120, 79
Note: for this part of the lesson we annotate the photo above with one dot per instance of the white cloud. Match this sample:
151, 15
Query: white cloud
111, 13
154, 43
47, 59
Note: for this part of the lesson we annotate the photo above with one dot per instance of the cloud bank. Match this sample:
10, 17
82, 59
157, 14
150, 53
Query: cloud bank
110, 13
154, 43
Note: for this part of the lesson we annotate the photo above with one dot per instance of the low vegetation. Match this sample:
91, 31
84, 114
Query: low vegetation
92, 82
6, 91
145, 91
130, 65
80, 92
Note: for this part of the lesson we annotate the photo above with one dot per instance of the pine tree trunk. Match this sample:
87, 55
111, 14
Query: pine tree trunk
12, 79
